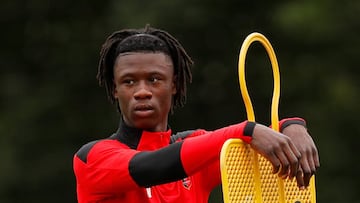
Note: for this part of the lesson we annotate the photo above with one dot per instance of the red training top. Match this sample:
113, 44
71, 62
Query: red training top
153, 167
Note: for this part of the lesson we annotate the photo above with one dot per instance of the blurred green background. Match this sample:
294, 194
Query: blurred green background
51, 104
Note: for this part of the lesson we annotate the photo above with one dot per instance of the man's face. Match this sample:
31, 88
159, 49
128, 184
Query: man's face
144, 87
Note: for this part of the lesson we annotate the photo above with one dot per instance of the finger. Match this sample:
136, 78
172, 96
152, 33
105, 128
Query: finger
275, 162
315, 155
294, 166
292, 155
311, 164
285, 166
304, 164
300, 179
306, 177
277, 168
295, 150
306, 170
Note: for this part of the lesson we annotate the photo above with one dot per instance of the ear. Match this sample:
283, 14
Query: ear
115, 92
174, 89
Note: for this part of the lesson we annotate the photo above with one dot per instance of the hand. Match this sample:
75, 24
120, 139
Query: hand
278, 149
309, 160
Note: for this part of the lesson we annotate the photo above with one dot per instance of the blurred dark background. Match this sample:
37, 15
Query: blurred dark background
51, 104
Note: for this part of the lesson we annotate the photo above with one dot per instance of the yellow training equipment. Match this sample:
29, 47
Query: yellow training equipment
247, 176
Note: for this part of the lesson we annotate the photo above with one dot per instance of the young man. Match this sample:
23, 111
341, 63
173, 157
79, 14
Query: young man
145, 73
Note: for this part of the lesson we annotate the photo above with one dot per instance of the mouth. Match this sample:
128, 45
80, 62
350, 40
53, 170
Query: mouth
143, 110
143, 107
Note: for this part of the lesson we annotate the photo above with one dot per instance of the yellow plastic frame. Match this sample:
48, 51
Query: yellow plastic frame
247, 176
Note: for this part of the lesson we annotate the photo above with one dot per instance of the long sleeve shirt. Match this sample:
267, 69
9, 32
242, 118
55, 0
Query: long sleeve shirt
153, 167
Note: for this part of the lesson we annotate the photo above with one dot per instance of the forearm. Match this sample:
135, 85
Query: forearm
111, 167
157, 167
199, 151
184, 158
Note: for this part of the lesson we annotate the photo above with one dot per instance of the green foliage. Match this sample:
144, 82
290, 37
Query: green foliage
50, 103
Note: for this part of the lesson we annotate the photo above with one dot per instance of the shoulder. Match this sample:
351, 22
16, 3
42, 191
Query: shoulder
186, 134
102, 144
83, 152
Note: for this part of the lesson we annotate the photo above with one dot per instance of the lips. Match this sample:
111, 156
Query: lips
143, 110
143, 107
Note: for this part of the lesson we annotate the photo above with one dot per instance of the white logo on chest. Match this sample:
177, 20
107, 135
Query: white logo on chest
186, 183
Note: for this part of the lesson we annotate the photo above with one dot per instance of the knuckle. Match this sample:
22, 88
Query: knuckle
307, 172
277, 145
273, 148
286, 139
268, 151
283, 144
294, 162
303, 150
314, 152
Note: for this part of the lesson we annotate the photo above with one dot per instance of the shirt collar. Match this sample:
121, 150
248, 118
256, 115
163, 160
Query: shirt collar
139, 139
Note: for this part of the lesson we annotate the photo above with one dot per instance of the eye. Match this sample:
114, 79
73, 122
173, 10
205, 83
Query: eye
154, 79
128, 81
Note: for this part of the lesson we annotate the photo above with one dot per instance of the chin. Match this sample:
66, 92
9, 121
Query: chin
145, 124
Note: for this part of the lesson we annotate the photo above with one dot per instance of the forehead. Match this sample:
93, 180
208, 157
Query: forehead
130, 62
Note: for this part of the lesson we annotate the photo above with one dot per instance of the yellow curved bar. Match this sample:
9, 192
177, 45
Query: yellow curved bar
275, 98
247, 176
275, 67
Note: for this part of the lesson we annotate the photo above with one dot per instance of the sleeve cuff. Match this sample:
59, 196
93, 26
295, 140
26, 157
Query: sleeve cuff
289, 121
248, 131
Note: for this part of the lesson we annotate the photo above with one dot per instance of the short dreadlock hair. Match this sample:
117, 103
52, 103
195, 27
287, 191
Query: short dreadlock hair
147, 39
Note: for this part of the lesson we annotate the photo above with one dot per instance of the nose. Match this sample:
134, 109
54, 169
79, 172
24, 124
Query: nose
142, 92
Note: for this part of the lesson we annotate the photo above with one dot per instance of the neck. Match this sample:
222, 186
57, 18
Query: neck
160, 127
131, 136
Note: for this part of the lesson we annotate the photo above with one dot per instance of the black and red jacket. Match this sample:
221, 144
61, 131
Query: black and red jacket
152, 167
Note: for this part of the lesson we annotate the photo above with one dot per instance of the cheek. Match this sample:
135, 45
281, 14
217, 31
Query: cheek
122, 99
168, 98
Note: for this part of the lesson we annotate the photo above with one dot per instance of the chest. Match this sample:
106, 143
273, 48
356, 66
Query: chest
185, 190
